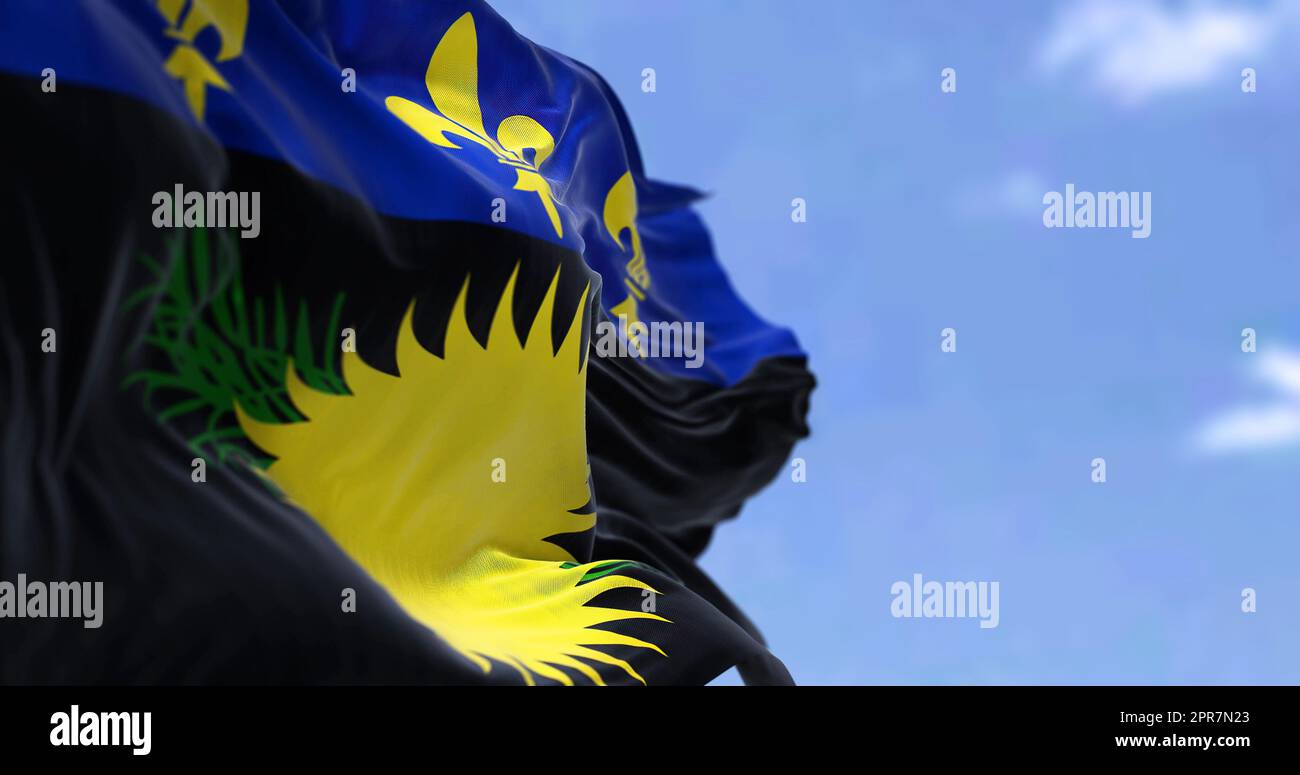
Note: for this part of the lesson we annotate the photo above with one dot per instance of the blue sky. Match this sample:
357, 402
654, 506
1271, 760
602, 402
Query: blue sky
924, 212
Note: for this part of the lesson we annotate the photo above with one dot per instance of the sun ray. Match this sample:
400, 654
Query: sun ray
600, 656
565, 660
308, 401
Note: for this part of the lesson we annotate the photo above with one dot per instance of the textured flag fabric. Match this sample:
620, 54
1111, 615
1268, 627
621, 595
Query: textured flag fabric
305, 325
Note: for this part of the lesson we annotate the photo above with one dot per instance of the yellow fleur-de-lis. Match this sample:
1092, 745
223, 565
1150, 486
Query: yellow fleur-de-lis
228, 17
620, 215
452, 80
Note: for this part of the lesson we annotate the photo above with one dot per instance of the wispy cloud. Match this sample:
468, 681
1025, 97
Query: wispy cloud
1260, 425
1135, 49
1015, 193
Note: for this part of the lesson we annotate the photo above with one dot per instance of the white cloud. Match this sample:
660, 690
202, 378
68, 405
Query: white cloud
1016, 193
1260, 425
1134, 49
1282, 370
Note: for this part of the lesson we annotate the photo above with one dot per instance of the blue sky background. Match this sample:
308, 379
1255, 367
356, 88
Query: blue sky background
924, 212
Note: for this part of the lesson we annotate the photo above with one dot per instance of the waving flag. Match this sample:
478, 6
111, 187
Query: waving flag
338, 343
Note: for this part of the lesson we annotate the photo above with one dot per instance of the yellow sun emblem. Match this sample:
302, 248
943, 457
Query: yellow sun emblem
400, 475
